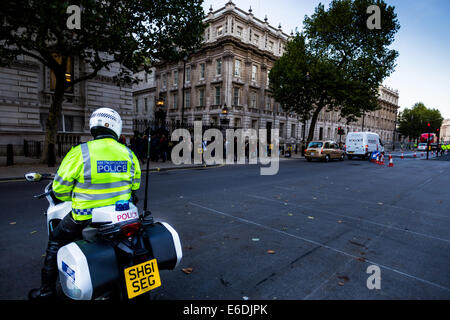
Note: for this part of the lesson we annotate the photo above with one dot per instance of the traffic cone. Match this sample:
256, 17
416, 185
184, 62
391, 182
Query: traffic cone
391, 162
382, 160
415, 155
377, 161
402, 157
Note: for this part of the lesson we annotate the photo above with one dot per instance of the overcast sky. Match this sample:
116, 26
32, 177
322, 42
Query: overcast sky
423, 41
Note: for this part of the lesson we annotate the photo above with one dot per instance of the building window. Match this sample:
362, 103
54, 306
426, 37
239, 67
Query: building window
270, 46
254, 72
219, 31
145, 105
202, 71
219, 67
188, 99
201, 96
268, 103
255, 124
282, 129
293, 133
236, 96
68, 74
175, 77
237, 68
188, 74
217, 97
256, 40
268, 79
164, 80
136, 103
253, 99
237, 122
239, 31
175, 101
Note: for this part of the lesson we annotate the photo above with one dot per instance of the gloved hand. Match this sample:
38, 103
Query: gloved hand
134, 198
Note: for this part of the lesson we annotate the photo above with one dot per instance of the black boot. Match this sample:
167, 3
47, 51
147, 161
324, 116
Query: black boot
49, 274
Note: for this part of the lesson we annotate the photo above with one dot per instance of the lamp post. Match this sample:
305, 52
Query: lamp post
184, 81
395, 130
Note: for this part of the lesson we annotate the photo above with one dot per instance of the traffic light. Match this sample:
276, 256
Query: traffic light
340, 131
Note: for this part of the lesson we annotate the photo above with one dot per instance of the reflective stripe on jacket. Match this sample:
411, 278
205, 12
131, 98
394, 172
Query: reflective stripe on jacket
96, 174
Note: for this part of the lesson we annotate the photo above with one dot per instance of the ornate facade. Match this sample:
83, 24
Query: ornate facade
231, 69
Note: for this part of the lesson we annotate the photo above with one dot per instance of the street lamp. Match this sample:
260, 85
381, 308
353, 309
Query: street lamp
185, 58
224, 115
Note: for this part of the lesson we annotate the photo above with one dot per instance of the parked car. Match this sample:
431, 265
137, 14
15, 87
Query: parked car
324, 150
422, 147
362, 144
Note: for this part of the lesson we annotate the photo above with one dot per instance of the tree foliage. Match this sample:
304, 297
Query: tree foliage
346, 61
132, 33
413, 122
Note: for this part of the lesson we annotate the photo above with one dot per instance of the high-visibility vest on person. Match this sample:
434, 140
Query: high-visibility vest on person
96, 174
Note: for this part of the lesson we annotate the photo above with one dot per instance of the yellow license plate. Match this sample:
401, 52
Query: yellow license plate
142, 278
351, 152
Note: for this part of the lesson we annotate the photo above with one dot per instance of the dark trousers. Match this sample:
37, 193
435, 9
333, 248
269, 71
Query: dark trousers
65, 232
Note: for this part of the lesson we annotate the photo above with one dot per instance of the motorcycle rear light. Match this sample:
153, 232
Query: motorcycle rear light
131, 229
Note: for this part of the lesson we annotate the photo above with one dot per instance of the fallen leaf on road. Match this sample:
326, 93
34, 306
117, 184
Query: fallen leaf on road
255, 239
314, 198
32, 232
245, 298
341, 283
310, 217
339, 221
290, 214
270, 251
187, 270
12, 223
362, 259
380, 203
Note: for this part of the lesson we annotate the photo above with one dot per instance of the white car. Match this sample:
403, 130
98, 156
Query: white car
422, 147
362, 144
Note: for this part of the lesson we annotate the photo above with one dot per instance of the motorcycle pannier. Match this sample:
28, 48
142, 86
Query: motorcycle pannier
164, 243
87, 269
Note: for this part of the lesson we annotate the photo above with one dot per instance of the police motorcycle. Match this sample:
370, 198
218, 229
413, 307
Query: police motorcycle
120, 253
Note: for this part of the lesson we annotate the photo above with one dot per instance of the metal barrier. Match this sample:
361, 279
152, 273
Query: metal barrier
32, 149
65, 142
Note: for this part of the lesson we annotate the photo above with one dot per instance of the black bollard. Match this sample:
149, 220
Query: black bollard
51, 155
9, 155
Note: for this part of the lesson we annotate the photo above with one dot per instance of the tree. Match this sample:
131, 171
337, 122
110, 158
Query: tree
132, 34
413, 122
301, 81
345, 60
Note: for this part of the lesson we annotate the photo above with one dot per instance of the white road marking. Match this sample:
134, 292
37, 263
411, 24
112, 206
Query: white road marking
320, 244
351, 218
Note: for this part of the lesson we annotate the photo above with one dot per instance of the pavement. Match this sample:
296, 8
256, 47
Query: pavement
312, 231
17, 171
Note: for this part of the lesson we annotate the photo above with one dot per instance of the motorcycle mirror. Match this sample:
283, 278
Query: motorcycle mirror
33, 176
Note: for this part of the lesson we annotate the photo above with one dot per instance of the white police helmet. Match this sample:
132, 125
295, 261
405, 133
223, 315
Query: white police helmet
105, 121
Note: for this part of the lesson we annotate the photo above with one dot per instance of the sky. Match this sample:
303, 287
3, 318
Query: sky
422, 73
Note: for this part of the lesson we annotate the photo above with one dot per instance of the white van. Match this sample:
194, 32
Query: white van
362, 144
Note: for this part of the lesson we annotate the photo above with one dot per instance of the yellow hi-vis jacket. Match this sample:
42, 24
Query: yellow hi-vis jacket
96, 174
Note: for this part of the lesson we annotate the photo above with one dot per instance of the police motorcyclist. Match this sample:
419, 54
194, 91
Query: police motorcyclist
94, 174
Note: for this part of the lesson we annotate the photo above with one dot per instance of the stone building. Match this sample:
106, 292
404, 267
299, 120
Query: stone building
231, 70
25, 96
445, 132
